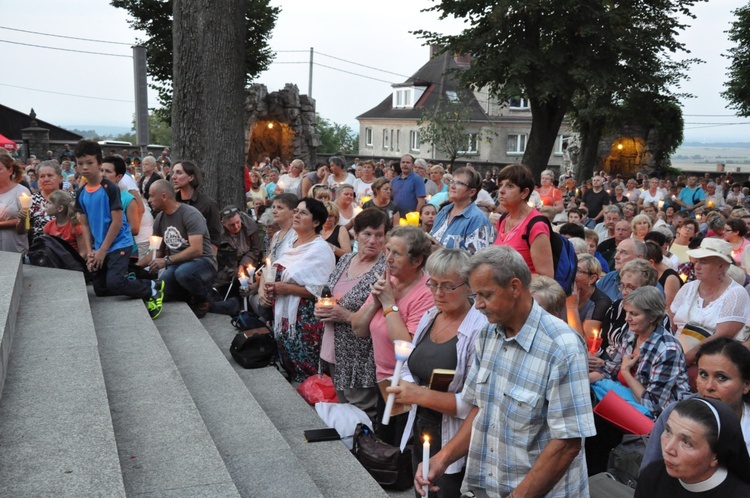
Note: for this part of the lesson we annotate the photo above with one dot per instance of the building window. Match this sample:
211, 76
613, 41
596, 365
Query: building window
398, 139
414, 140
452, 95
392, 142
472, 145
385, 139
519, 103
516, 144
368, 137
560, 140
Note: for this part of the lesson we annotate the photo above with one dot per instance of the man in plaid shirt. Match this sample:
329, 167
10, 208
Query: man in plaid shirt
530, 390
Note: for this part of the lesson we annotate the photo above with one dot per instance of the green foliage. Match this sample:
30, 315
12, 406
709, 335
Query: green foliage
154, 17
335, 137
160, 132
445, 128
552, 50
738, 86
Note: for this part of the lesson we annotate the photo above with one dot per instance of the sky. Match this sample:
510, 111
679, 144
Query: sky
85, 90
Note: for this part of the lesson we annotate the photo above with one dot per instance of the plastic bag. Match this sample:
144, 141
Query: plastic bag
318, 388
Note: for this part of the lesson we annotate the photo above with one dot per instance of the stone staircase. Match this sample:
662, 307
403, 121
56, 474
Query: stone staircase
96, 399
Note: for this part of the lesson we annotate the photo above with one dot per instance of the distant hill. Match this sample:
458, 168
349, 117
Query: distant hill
89, 131
724, 145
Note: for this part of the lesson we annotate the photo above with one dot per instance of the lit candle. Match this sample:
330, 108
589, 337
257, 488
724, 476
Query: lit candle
661, 204
244, 279
251, 272
684, 277
402, 222
698, 217
281, 185
710, 204
531, 204
154, 244
426, 462
326, 298
595, 341
403, 349
412, 218
365, 198
25, 201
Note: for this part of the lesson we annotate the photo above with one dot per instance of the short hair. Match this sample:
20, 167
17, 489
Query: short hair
612, 208
372, 218
148, 159
591, 235
338, 161
228, 211
332, 209
444, 262
289, 200
639, 218
317, 210
650, 301
343, 187
737, 225
418, 245
47, 164
572, 230
662, 230
506, 263
641, 269
579, 245
690, 221
593, 266
437, 168
420, 162
653, 251
547, 172
519, 175
548, 294
715, 220
88, 148
378, 183
191, 169
118, 162
576, 211
475, 179
657, 237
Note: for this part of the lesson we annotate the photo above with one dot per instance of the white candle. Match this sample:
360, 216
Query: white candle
426, 462
25, 200
403, 349
251, 272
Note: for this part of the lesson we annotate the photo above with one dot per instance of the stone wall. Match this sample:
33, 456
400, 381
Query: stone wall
280, 123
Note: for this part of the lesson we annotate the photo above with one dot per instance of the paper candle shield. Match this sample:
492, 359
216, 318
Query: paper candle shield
620, 413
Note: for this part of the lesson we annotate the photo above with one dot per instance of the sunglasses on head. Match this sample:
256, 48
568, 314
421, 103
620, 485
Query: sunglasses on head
229, 212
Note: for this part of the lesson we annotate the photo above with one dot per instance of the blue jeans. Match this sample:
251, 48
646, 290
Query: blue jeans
189, 279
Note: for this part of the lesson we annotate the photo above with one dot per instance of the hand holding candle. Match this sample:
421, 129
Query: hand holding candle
154, 244
426, 463
594, 342
25, 201
403, 350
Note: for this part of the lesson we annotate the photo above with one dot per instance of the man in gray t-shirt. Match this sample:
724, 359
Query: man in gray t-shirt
185, 254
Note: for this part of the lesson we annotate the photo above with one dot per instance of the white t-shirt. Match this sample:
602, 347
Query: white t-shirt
127, 183
291, 185
361, 188
147, 225
647, 197
732, 306
350, 179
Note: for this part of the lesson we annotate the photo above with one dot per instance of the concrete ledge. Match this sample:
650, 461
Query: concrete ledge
335, 471
11, 284
163, 444
56, 434
255, 453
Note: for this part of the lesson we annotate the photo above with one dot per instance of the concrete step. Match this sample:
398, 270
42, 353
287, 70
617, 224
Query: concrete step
333, 468
56, 433
10, 295
255, 453
163, 444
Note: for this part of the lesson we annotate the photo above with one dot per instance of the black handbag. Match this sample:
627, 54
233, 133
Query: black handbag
255, 351
387, 464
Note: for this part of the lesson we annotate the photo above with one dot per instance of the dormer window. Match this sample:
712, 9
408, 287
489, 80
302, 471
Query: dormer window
452, 96
406, 97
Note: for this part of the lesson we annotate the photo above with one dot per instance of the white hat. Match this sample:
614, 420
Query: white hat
713, 247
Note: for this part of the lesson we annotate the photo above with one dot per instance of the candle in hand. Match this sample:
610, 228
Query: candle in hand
426, 462
250, 272
594, 342
402, 349
412, 219
243, 279
25, 201
326, 298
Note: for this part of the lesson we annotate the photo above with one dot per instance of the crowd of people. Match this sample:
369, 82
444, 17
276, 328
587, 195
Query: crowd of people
464, 266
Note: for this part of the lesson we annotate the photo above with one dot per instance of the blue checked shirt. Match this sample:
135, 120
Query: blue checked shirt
470, 230
660, 368
530, 389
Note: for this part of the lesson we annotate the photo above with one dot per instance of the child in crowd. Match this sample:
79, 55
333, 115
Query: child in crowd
65, 225
100, 210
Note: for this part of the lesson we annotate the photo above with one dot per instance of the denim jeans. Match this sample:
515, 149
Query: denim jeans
189, 279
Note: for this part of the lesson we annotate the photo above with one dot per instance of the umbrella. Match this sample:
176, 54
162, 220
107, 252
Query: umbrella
7, 144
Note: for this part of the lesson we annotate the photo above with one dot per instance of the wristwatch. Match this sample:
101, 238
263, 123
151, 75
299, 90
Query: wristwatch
167, 261
390, 310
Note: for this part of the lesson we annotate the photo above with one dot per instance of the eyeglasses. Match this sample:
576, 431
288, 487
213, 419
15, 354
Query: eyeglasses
456, 183
628, 288
433, 286
583, 272
229, 212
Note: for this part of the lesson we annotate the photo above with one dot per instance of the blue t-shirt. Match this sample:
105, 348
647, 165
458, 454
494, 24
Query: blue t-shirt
126, 197
97, 204
270, 190
406, 191
692, 196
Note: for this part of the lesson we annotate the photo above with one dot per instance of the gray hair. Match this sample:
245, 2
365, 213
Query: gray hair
420, 162
642, 269
639, 218
547, 172
592, 264
343, 187
49, 164
612, 208
666, 231
650, 301
506, 264
338, 161
640, 246
149, 159
580, 246
548, 293
418, 245
444, 262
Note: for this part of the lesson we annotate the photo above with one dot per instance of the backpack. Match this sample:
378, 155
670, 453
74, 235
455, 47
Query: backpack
53, 252
625, 459
564, 259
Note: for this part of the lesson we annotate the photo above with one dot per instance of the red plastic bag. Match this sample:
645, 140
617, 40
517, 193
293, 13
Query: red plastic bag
317, 388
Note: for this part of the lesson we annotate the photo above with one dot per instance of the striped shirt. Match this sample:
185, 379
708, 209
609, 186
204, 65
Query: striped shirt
530, 389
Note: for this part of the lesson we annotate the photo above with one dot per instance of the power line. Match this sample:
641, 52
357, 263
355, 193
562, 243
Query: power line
711, 115
66, 37
64, 49
349, 72
66, 94
362, 65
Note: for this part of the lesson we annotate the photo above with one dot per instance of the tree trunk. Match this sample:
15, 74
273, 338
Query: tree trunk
209, 93
546, 119
590, 133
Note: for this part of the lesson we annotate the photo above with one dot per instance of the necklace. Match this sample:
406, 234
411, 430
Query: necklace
279, 242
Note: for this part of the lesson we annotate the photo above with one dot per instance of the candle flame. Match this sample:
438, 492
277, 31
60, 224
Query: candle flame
596, 333
250, 268
426, 438
684, 278
241, 273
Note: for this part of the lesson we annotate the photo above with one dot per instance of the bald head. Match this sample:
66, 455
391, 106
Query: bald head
162, 187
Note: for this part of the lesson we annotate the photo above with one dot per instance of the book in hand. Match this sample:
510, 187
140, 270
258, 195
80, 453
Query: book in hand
398, 408
441, 378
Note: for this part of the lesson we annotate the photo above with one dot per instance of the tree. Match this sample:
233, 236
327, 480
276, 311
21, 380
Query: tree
445, 128
160, 132
738, 86
154, 17
335, 137
550, 50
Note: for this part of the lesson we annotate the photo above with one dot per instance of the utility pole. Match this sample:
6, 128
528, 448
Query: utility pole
310, 77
